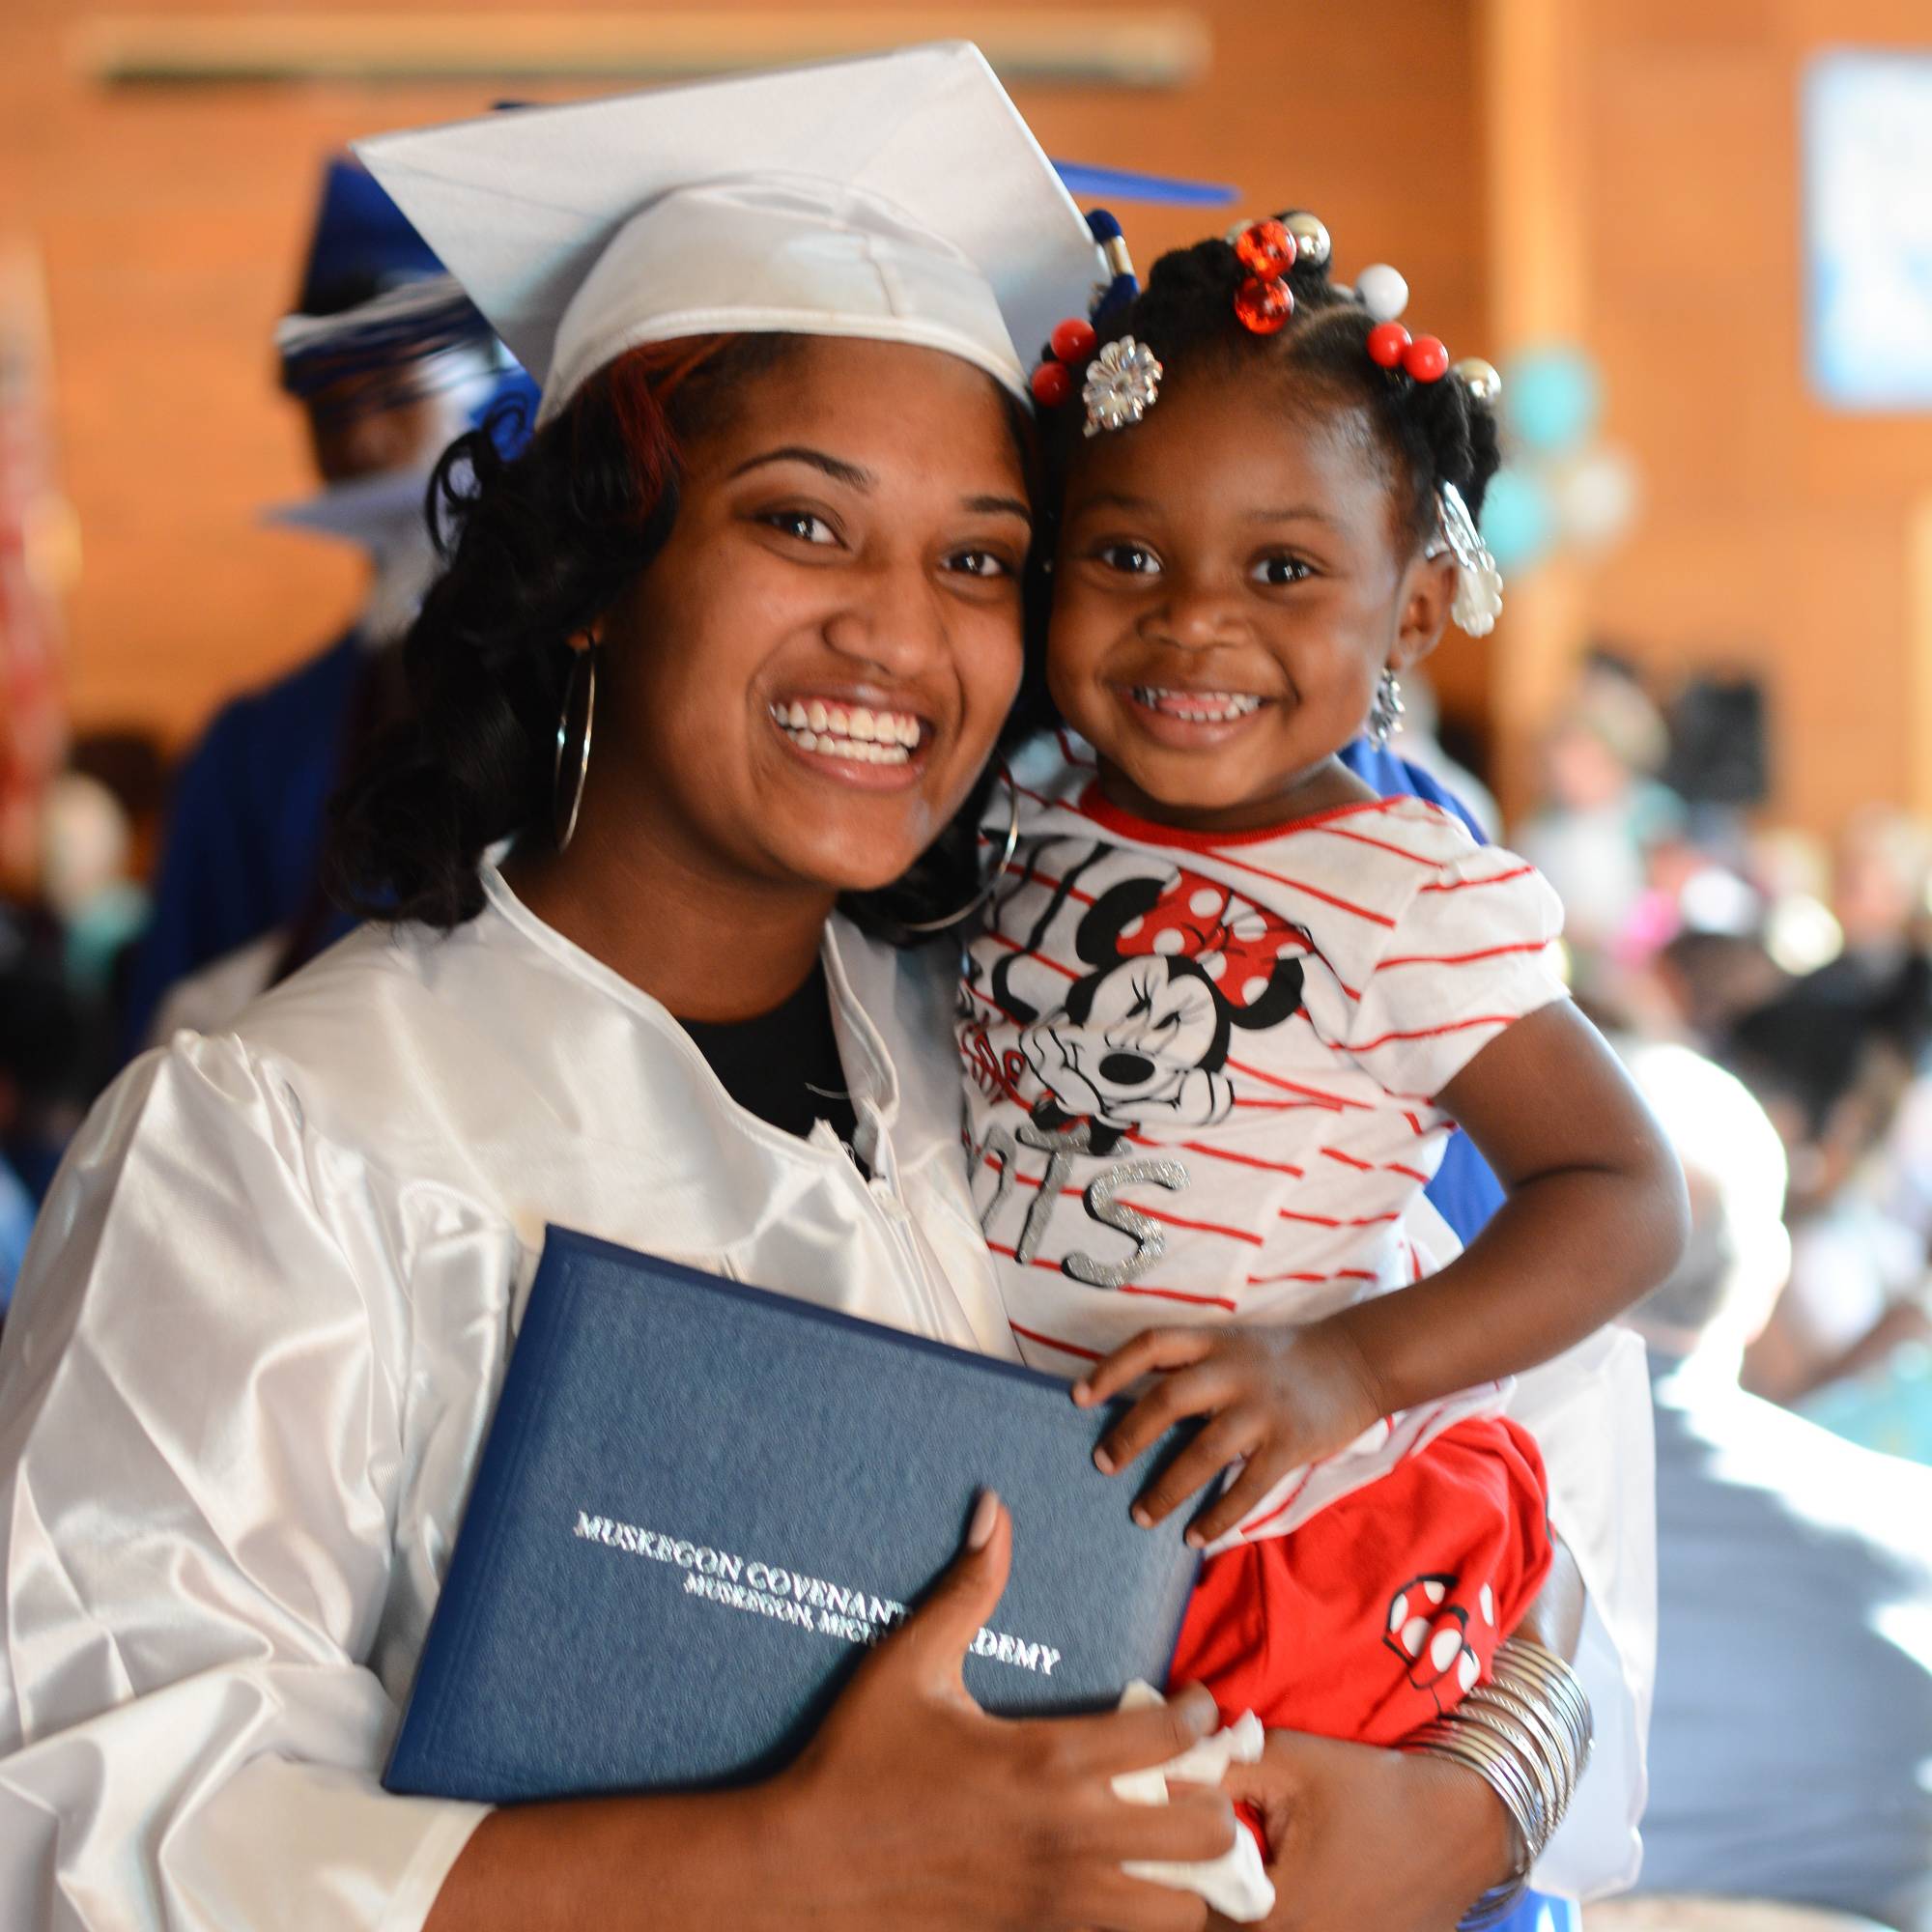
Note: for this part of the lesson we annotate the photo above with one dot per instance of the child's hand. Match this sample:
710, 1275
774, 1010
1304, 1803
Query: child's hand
1279, 1397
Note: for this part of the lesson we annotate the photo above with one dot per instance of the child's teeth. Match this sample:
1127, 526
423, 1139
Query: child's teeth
1197, 707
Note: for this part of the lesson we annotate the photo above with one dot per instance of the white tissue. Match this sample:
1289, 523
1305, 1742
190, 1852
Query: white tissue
1234, 1884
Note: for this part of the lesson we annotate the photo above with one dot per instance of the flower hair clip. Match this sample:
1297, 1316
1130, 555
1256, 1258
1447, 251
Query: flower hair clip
1121, 383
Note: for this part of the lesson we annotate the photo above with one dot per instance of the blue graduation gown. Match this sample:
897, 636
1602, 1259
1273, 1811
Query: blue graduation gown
1464, 1191
244, 834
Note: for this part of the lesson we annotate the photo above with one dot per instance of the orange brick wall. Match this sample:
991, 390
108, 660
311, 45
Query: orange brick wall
1775, 532
171, 224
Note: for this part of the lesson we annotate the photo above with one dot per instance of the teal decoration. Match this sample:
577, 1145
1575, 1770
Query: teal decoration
101, 931
1518, 520
1551, 399
1887, 1408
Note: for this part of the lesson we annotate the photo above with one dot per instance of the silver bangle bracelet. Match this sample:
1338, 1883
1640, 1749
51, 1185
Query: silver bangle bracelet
1467, 1745
1521, 1658
1519, 1700
1550, 1739
1472, 1742
1550, 1778
1525, 1730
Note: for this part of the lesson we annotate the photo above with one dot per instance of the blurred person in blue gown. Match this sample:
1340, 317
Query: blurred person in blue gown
16, 1222
389, 362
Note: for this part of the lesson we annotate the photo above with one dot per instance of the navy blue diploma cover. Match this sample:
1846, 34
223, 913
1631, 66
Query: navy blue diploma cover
699, 1503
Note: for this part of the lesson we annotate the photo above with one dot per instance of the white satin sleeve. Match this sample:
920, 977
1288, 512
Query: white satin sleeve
1589, 1410
201, 1396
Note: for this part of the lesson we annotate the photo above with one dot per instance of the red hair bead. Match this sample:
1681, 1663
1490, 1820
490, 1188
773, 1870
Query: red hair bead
1267, 250
1074, 339
1388, 343
1426, 359
1263, 307
1051, 386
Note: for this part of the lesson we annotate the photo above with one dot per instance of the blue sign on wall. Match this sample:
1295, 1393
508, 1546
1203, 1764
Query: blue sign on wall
1867, 140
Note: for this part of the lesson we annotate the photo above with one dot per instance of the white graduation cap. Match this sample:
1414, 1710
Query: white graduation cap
898, 197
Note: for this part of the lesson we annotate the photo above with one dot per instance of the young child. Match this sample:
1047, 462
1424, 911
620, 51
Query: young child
1229, 1004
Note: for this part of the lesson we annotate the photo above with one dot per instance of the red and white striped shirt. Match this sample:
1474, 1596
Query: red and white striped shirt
1202, 1069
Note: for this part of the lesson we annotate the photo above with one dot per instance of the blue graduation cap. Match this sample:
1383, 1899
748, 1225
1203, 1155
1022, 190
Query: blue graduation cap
376, 299
363, 243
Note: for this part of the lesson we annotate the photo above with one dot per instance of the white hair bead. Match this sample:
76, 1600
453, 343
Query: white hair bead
1383, 292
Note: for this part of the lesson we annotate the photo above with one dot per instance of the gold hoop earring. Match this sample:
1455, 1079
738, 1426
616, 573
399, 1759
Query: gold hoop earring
564, 806
1000, 871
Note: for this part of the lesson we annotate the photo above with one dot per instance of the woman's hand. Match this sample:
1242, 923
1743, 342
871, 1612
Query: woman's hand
1370, 1840
918, 1809
1279, 1396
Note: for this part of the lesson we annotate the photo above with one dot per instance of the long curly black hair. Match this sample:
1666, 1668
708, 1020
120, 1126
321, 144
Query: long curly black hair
1425, 433
536, 548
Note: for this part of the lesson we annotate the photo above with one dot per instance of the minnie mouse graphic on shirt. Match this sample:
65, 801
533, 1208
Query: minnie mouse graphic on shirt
1169, 965
1429, 1626
1174, 966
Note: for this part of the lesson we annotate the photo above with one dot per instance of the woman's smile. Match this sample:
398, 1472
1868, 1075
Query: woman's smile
874, 743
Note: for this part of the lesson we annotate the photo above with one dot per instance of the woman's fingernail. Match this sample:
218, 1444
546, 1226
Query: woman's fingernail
985, 1514
1194, 1539
1103, 1462
1140, 1516
1198, 1708
1082, 1390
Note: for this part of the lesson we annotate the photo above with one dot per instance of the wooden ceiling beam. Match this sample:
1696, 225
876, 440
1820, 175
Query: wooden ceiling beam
1161, 47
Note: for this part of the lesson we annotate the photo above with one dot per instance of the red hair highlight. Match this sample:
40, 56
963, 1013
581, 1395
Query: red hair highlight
639, 390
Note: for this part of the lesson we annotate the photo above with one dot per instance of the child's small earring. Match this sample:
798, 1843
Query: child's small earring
1386, 712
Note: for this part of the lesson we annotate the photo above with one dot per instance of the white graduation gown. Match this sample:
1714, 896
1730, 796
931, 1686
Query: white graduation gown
255, 1348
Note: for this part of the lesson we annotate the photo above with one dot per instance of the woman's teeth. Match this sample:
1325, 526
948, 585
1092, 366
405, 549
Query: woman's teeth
1197, 707
849, 731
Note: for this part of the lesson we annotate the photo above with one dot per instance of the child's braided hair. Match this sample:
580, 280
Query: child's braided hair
1426, 433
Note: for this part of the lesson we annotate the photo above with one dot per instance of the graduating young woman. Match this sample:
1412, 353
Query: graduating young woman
715, 666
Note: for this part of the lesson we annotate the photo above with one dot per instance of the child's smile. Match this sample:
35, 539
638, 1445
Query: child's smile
1232, 576
1190, 719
